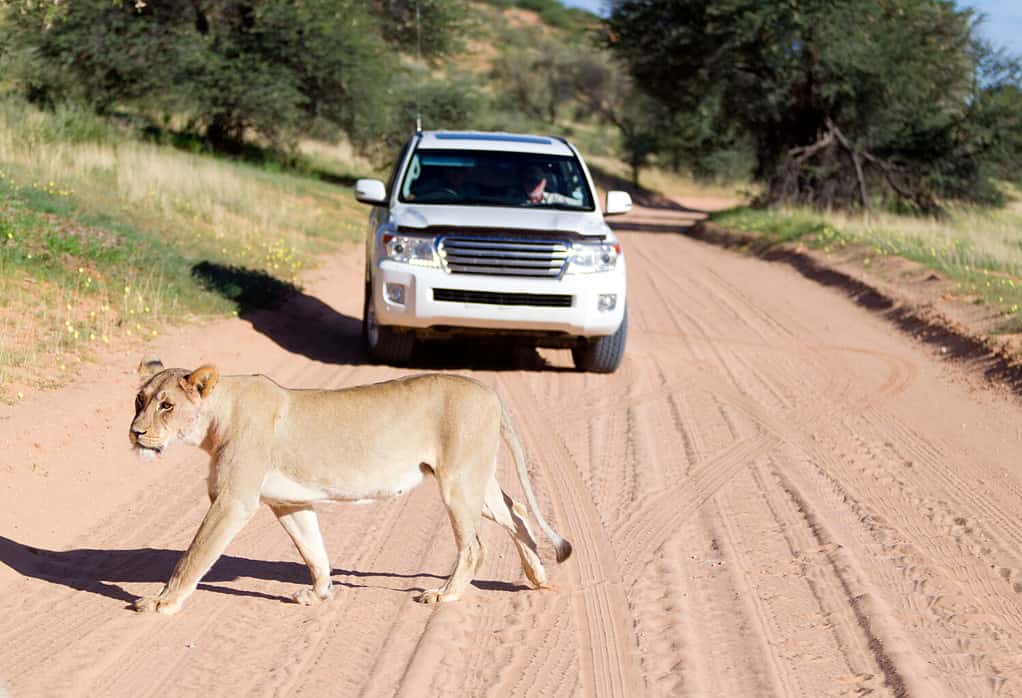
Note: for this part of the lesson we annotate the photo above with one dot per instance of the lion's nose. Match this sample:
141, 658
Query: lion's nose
137, 431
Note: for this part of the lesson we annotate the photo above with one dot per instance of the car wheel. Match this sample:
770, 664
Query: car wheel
602, 354
383, 343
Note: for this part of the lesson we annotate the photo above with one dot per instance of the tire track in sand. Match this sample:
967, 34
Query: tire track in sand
608, 661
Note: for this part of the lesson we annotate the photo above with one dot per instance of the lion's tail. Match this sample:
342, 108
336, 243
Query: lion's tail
562, 546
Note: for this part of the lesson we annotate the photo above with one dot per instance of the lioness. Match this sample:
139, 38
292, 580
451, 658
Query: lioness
292, 448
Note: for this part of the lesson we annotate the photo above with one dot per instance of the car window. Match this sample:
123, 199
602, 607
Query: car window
493, 178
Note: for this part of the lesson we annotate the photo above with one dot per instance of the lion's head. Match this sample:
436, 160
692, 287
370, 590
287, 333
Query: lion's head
168, 405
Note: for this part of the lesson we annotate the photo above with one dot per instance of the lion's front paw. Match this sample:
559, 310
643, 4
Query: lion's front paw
309, 596
155, 604
432, 596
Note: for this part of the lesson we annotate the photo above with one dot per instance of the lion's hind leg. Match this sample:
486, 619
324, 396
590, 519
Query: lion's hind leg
303, 527
501, 509
464, 504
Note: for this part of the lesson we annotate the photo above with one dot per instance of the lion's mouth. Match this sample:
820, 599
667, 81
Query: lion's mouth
150, 450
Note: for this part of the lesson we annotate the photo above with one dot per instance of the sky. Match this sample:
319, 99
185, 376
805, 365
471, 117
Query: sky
1003, 23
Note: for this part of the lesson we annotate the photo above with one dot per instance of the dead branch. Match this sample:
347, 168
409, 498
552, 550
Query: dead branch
854, 153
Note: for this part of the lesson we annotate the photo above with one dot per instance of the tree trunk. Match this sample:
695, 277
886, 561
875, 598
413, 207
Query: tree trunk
224, 134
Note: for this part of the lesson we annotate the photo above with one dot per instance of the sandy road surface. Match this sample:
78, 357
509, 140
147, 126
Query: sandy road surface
777, 495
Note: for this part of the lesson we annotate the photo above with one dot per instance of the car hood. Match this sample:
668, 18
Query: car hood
491, 218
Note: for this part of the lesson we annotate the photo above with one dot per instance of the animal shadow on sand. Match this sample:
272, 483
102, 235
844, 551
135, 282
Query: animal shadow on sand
305, 325
102, 571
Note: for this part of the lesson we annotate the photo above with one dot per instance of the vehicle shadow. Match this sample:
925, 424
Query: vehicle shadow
305, 325
480, 355
102, 572
680, 227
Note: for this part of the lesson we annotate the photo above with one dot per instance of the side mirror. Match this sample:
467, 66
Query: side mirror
617, 202
371, 191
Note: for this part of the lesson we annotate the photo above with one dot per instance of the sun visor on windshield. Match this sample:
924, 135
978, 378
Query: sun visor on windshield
446, 160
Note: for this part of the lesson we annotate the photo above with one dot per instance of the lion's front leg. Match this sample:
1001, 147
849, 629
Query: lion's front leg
225, 518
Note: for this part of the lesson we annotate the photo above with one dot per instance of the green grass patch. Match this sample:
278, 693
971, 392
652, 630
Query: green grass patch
787, 226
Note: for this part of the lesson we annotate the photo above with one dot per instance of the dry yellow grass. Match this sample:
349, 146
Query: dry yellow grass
185, 196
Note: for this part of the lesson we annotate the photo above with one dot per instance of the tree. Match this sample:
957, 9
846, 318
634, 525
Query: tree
600, 84
535, 78
841, 99
266, 67
993, 128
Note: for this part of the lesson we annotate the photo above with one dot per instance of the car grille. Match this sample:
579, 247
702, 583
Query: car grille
543, 300
504, 256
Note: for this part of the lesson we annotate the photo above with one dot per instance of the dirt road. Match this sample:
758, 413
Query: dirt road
777, 495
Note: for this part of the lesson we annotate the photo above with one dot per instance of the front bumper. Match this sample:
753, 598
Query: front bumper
421, 310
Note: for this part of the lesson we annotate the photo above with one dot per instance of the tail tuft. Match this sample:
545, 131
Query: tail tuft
563, 548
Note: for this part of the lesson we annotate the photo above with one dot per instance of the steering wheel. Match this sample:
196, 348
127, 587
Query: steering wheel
445, 194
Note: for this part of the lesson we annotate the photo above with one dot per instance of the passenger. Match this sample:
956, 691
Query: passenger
536, 193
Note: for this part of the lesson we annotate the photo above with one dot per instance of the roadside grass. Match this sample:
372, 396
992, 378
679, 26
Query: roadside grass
979, 249
100, 235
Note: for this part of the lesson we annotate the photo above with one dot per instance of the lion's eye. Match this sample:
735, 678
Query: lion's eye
166, 406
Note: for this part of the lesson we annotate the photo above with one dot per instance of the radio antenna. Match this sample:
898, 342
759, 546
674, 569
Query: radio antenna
418, 55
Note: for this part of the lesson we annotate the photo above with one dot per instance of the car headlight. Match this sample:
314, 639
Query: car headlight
410, 250
589, 257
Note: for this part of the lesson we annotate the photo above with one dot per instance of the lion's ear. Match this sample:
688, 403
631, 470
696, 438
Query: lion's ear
149, 367
203, 379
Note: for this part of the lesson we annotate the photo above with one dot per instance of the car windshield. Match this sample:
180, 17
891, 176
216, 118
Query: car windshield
493, 178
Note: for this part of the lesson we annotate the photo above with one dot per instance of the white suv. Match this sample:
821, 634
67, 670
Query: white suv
493, 234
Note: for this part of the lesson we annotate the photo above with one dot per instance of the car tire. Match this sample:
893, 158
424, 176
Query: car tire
384, 344
602, 354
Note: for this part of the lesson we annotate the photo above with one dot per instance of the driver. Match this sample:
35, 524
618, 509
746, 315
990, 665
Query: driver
452, 184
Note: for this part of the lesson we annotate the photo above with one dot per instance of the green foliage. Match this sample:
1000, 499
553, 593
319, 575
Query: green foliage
452, 102
821, 89
265, 67
251, 78
993, 130
535, 78
434, 28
